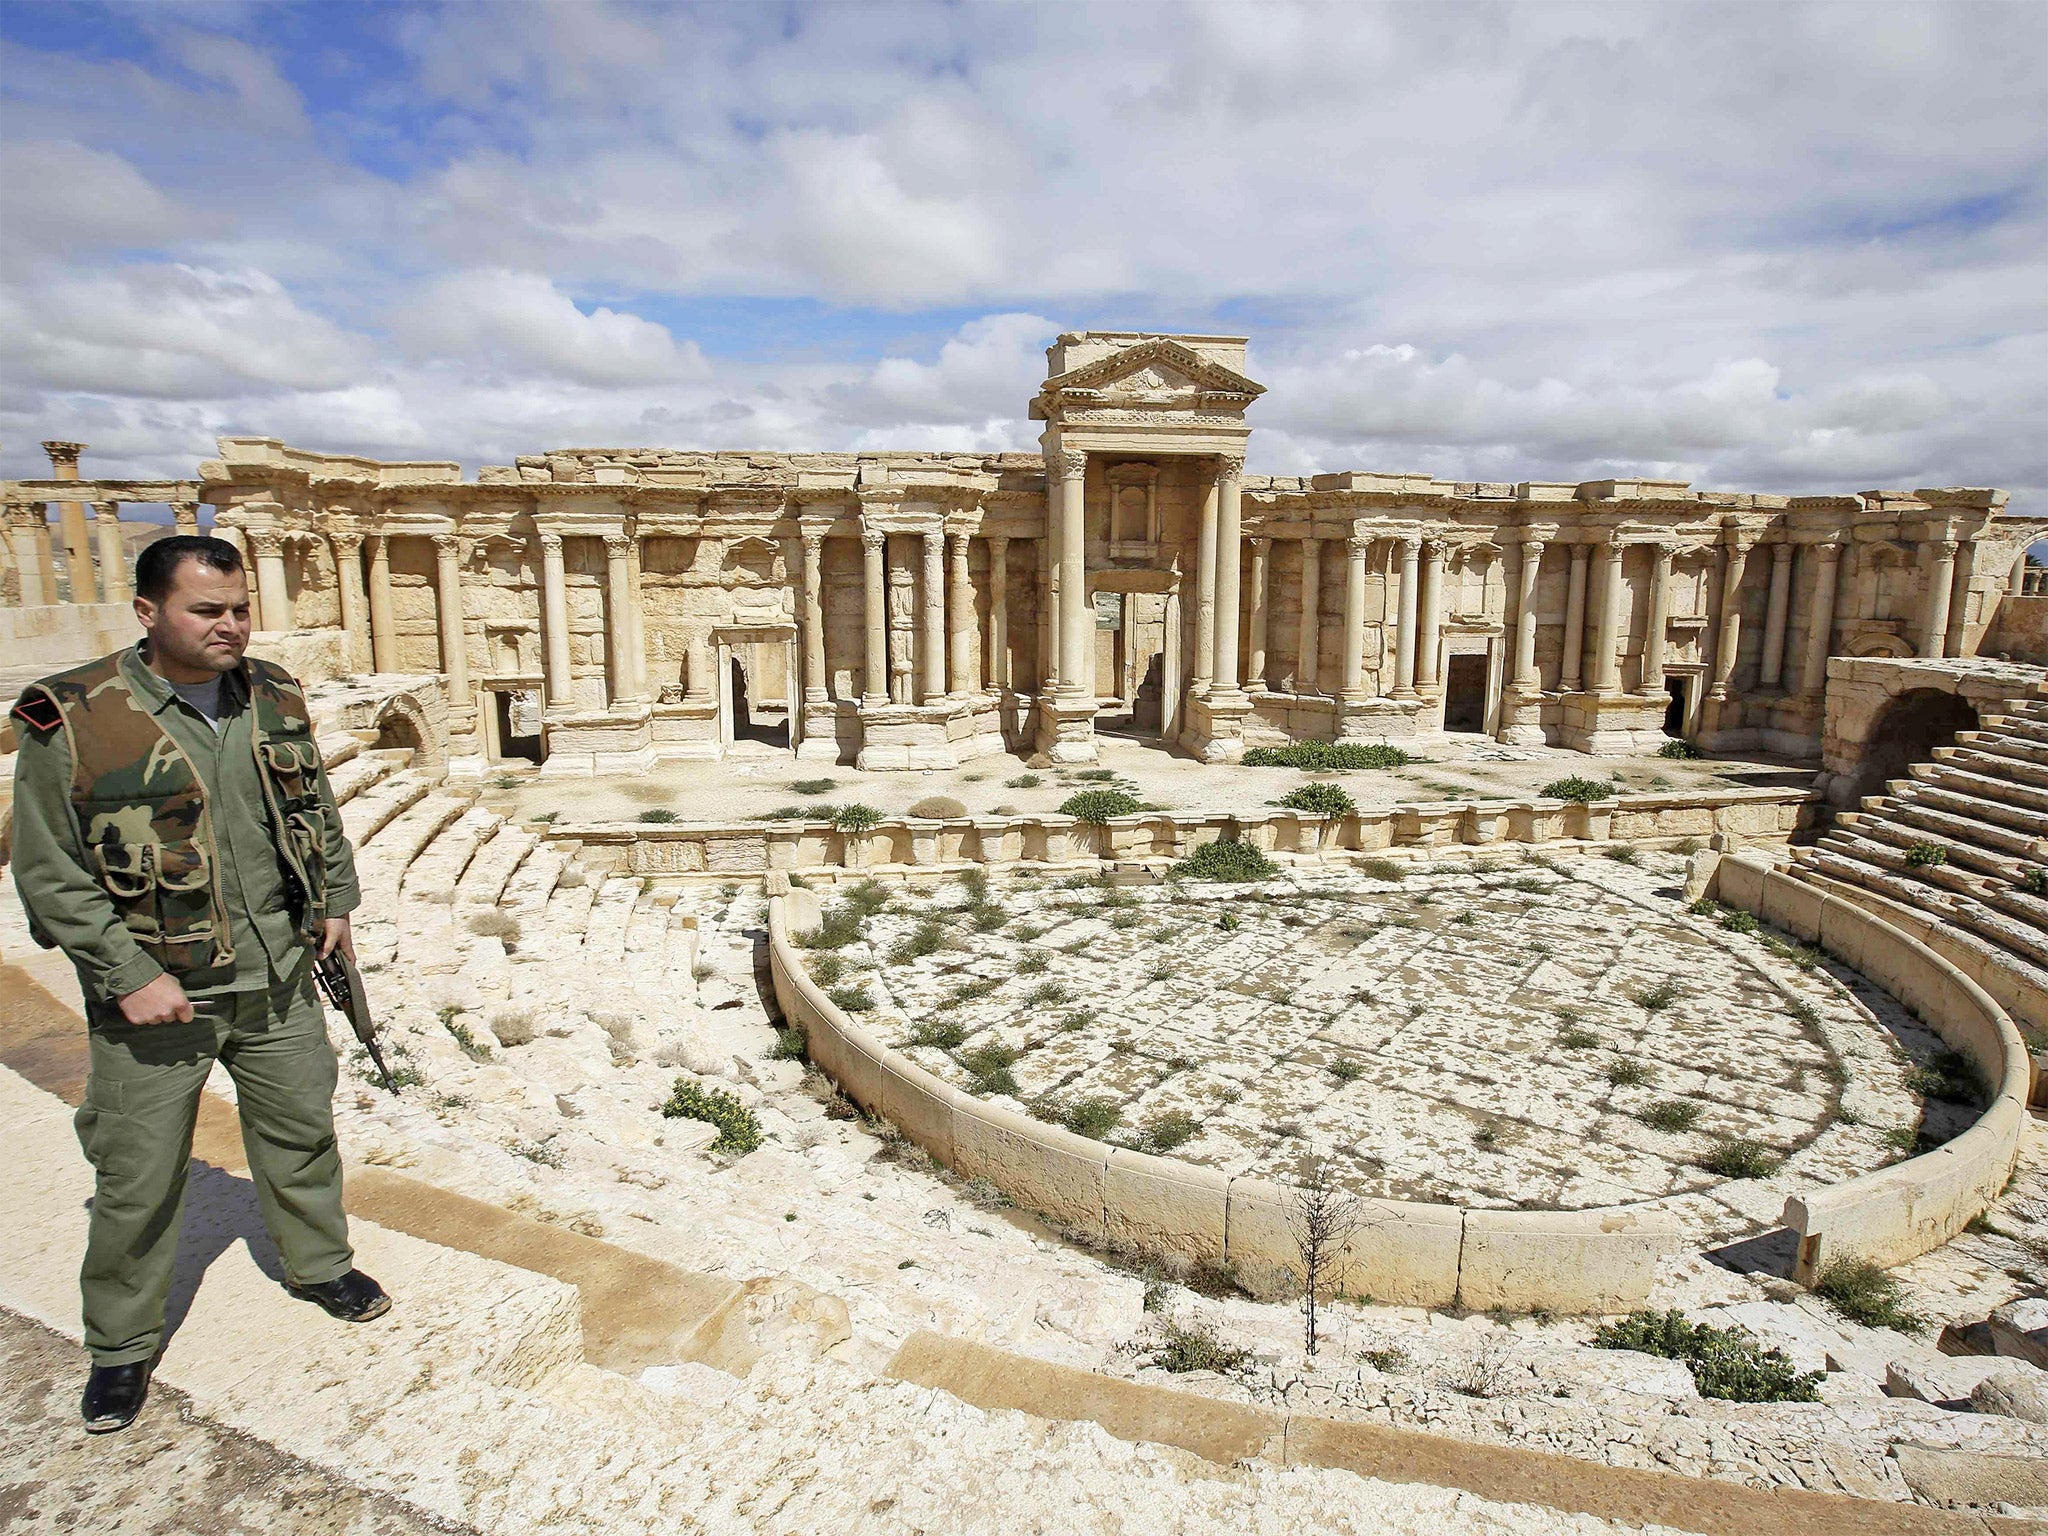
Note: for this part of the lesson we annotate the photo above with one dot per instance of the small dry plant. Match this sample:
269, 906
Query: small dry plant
1323, 1218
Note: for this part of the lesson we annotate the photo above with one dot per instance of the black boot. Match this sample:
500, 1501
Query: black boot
354, 1298
113, 1396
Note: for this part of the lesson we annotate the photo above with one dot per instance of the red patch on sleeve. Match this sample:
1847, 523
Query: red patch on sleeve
38, 711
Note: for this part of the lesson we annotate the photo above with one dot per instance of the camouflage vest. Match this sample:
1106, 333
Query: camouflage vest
143, 815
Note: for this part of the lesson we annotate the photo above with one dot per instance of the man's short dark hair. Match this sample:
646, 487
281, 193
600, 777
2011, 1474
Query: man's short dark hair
156, 568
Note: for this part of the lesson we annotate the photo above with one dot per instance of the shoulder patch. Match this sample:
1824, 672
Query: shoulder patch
37, 710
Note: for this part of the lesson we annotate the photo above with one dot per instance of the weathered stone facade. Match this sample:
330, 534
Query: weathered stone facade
607, 609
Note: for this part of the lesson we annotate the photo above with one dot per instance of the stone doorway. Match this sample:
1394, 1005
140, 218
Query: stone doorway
1675, 713
516, 716
1465, 693
756, 688
1136, 676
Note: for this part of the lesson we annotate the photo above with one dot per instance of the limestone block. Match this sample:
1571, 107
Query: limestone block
1042, 1167
2019, 1329
1402, 1253
1699, 876
1566, 1261
1160, 1205
919, 1105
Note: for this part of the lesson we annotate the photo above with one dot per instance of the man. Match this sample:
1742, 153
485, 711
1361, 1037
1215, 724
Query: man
175, 835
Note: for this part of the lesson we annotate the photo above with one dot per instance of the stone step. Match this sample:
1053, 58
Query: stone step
360, 773
1953, 895
336, 747
604, 939
435, 870
483, 883
559, 933
1998, 745
382, 864
2003, 814
1903, 826
366, 816
1925, 812
2018, 727
1992, 765
533, 882
1981, 787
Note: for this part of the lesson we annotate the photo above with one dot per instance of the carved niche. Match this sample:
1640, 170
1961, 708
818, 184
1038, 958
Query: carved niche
755, 573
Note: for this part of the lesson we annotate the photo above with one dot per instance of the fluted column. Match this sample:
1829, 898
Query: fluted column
618, 577
273, 606
1526, 679
636, 618
1729, 641
1571, 668
1255, 666
185, 517
1229, 555
1772, 671
1607, 624
27, 526
1820, 630
997, 662
383, 631
1356, 550
1941, 575
876, 593
960, 627
348, 584
554, 617
1076, 633
814, 616
106, 517
1660, 618
932, 609
448, 617
1429, 625
1205, 591
1404, 639
1310, 641
1959, 597
77, 551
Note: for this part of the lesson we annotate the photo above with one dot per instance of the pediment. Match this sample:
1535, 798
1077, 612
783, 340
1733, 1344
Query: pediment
1156, 367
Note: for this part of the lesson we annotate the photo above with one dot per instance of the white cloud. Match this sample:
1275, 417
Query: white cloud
519, 322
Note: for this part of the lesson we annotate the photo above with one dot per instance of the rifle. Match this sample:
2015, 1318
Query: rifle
342, 985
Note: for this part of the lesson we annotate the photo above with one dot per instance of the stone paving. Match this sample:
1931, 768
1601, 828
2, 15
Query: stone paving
1501, 1033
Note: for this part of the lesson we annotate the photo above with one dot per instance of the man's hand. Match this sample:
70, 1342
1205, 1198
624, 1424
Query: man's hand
336, 934
163, 1001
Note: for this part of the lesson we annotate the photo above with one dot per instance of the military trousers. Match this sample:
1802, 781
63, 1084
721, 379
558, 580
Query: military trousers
136, 1123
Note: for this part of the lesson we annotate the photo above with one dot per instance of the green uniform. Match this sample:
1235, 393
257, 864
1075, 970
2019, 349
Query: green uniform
214, 891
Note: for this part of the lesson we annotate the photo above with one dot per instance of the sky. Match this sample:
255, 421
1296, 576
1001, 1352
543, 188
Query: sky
1780, 247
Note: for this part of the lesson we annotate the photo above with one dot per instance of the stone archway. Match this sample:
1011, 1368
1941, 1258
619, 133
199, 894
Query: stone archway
1886, 713
1907, 732
402, 723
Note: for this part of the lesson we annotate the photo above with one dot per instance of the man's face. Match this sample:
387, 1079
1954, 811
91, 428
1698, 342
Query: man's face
202, 625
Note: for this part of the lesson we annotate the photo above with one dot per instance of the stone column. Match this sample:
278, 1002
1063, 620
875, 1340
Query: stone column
1660, 618
1571, 673
71, 519
1229, 555
27, 527
1941, 575
1311, 615
1729, 640
998, 658
1205, 591
1773, 669
273, 606
1356, 549
1429, 625
932, 603
348, 582
554, 618
618, 576
1255, 667
1076, 633
1820, 629
699, 656
448, 618
1607, 625
383, 631
814, 617
185, 516
960, 620
872, 543
1959, 597
636, 618
1526, 679
1404, 640
113, 557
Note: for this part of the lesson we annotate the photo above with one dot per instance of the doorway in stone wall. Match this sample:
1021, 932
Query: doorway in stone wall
768, 727
756, 672
519, 720
1133, 663
1465, 693
1675, 713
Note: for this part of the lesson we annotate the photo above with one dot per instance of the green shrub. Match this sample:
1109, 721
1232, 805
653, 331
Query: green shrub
813, 786
1347, 1070
1233, 863
855, 818
869, 897
1726, 1363
852, 999
789, 1045
1656, 999
1185, 1347
1925, 855
738, 1131
988, 1067
798, 813
1672, 1115
1629, 1073
1164, 1132
1093, 1118
1684, 751
1045, 995
1952, 1077
2035, 881
1320, 800
1737, 1157
971, 990
1576, 1037
1023, 781
1621, 853
660, 813
1098, 805
825, 969
1582, 790
927, 938
938, 808
1863, 1293
1328, 756
839, 925
1739, 922
1382, 869
941, 1034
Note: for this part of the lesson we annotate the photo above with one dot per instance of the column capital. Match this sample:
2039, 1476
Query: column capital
265, 541
1781, 552
64, 455
1532, 548
1411, 547
550, 543
1067, 464
1829, 549
1259, 542
1229, 466
873, 539
958, 539
106, 511
813, 541
616, 546
1664, 549
1944, 549
998, 541
1434, 546
447, 546
1358, 545
345, 541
